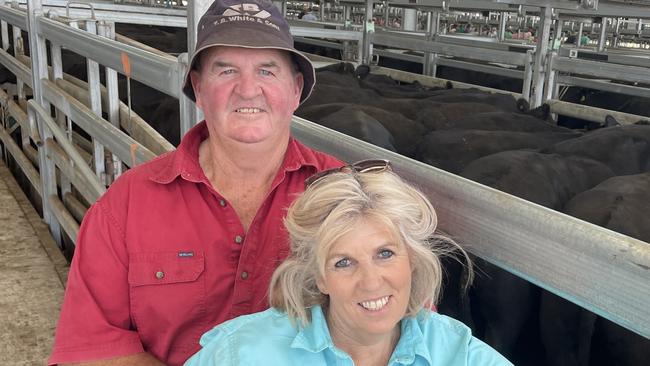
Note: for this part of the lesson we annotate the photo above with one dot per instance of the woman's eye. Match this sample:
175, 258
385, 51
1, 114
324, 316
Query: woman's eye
345, 262
386, 253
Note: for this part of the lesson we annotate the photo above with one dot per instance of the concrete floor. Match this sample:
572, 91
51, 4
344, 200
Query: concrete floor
32, 277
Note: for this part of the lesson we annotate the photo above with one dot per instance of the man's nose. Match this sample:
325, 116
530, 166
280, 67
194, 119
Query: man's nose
247, 86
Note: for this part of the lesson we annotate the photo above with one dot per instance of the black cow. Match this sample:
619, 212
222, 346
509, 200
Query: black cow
481, 116
407, 134
354, 122
452, 150
506, 302
573, 335
625, 149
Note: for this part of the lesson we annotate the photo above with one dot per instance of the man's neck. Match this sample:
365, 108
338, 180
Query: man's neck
237, 161
242, 173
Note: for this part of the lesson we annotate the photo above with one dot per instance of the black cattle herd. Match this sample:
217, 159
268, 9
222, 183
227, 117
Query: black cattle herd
601, 176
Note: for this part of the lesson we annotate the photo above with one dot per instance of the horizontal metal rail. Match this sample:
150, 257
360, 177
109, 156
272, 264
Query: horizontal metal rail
13, 16
90, 179
468, 52
148, 68
429, 81
604, 85
343, 35
592, 114
602, 69
119, 13
319, 42
601, 270
443, 61
123, 146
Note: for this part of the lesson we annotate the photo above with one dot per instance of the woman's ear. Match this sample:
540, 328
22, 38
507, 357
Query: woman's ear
321, 286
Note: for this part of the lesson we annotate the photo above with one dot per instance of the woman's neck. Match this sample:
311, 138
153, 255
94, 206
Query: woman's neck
367, 351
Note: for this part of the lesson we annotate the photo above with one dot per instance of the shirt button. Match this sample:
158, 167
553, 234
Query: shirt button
239, 239
222, 202
160, 275
244, 275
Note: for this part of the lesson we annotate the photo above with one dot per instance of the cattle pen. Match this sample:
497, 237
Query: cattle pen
67, 139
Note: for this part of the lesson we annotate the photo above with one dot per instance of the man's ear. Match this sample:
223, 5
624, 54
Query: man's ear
299, 84
195, 76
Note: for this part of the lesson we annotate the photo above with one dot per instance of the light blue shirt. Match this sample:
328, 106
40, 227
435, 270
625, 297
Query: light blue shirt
268, 337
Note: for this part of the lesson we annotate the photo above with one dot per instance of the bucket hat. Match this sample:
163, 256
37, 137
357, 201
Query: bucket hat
248, 24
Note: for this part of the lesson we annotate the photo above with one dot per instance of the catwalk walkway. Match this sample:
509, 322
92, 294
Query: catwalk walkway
32, 274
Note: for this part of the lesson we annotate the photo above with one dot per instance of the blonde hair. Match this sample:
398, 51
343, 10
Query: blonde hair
330, 208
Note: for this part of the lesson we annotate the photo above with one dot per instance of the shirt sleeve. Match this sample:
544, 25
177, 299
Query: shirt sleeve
216, 350
479, 353
95, 321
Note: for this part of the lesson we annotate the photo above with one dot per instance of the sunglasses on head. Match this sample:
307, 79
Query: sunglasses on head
362, 166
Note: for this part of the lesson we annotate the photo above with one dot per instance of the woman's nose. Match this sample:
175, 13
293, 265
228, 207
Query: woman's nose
370, 277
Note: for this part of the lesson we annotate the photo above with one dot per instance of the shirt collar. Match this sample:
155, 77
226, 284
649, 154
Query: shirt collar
411, 342
184, 161
316, 337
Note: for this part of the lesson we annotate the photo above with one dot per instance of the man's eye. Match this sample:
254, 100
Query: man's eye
228, 71
266, 72
345, 262
386, 253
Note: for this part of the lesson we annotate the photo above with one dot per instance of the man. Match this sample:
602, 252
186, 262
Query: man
308, 14
191, 238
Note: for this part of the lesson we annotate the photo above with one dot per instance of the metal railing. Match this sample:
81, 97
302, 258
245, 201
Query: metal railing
604, 271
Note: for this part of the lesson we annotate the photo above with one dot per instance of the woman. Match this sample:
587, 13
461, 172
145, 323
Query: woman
356, 289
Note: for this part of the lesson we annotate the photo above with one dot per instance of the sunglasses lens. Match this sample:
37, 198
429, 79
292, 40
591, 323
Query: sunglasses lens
363, 166
371, 165
311, 180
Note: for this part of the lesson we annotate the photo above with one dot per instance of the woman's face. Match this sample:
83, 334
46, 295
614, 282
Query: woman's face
368, 280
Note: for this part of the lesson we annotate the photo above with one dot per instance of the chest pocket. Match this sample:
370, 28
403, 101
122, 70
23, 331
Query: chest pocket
168, 288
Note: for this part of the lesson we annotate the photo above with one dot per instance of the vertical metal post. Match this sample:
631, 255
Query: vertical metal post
61, 119
579, 40
5, 31
19, 50
94, 93
430, 59
543, 33
190, 114
386, 14
639, 26
528, 75
602, 39
409, 19
347, 15
47, 170
366, 55
617, 25
557, 34
503, 21
550, 90
107, 29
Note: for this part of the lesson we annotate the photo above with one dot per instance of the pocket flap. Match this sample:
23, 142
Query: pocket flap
164, 268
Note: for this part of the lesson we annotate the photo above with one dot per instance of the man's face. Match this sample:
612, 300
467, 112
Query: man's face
247, 95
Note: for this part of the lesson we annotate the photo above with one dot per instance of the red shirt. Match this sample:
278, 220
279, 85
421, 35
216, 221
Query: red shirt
162, 257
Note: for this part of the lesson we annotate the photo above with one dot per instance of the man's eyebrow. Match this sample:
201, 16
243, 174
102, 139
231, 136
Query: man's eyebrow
219, 63
269, 64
